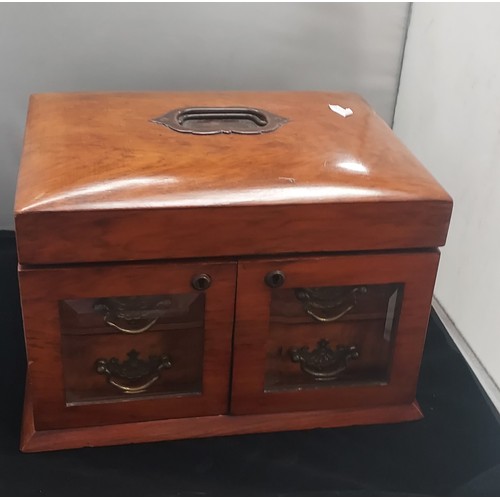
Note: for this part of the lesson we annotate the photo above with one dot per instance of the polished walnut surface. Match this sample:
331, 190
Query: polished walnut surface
263, 326
101, 151
100, 182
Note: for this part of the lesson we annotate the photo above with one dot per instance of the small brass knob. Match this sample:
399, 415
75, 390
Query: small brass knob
275, 279
201, 281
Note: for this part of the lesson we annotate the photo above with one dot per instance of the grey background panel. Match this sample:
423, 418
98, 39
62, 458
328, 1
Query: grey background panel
161, 46
448, 114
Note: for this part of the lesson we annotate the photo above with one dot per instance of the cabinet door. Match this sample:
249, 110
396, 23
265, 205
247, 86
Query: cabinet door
124, 343
330, 332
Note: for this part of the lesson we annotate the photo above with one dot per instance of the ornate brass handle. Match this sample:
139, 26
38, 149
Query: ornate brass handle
133, 375
323, 363
323, 303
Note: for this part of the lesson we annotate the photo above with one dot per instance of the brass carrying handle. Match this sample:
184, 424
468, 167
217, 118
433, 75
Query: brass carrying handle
144, 372
324, 363
254, 115
131, 331
226, 120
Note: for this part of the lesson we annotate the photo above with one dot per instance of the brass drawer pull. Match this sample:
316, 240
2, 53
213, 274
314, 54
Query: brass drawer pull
132, 315
142, 329
323, 363
323, 303
328, 319
123, 374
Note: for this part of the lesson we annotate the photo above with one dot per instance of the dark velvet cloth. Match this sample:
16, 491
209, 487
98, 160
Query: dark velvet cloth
454, 450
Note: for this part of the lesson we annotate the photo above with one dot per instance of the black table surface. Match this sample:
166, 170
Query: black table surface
454, 450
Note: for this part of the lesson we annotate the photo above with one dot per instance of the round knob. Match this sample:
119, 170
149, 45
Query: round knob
275, 279
201, 281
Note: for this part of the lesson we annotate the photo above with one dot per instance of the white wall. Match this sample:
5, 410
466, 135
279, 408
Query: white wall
448, 114
168, 46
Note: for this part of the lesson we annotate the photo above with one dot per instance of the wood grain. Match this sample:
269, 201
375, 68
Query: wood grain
131, 235
94, 165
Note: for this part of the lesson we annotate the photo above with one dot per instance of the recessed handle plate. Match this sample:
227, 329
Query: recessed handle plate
230, 120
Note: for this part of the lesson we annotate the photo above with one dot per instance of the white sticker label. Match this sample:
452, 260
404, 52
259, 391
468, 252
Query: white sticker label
345, 112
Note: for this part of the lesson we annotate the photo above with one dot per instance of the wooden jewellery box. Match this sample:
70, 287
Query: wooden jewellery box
203, 264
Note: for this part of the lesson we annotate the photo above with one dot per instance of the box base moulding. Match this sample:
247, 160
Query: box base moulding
33, 440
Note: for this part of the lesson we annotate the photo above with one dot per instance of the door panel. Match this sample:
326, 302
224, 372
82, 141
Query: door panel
123, 343
330, 332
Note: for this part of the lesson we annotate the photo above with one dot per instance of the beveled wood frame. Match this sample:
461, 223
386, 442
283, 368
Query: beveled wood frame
416, 271
41, 289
